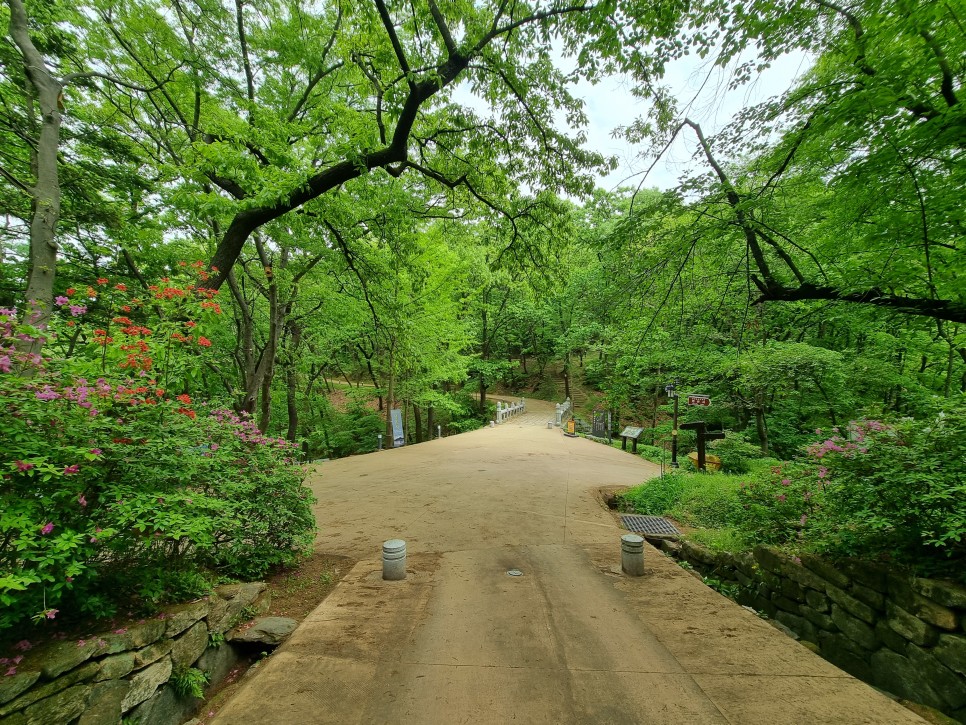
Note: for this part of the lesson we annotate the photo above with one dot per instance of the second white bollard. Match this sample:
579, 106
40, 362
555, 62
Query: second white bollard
632, 554
394, 560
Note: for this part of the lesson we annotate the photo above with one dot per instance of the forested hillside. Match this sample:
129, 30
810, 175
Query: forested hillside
238, 233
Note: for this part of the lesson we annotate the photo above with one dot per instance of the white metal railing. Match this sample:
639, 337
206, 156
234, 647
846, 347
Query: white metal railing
561, 411
505, 411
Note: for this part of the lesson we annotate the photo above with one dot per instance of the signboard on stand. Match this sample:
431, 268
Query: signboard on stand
571, 428
699, 400
634, 434
398, 437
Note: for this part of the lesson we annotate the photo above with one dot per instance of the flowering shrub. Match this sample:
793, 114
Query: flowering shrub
115, 479
894, 489
897, 488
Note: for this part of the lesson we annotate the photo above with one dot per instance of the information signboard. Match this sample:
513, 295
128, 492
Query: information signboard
398, 437
699, 400
601, 427
632, 433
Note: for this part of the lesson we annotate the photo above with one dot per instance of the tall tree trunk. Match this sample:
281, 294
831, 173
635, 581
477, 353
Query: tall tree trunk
45, 194
390, 393
291, 385
291, 380
762, 429
265, 416
430, 422
417, 423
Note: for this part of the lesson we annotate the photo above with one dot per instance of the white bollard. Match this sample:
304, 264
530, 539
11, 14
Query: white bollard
394, 560
632, 554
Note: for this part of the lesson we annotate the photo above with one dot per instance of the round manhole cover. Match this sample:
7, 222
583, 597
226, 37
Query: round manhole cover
514, 572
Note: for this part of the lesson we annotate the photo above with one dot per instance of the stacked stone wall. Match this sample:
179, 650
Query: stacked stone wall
903, 634
124, 673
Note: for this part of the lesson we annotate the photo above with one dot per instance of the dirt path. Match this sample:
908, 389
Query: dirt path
570, 641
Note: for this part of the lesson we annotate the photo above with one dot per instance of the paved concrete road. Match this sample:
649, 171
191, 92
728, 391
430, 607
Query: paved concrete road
570, 641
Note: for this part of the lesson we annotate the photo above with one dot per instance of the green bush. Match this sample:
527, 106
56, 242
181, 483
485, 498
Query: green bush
735, 452
351, 432
655, 497
691, 498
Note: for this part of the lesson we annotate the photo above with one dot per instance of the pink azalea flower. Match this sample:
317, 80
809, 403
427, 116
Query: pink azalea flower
51, 613
5, 365
61, 300
786, 482
23, 645
68, 470
47, 528
81, 500
21, 466
96, 451
782, 498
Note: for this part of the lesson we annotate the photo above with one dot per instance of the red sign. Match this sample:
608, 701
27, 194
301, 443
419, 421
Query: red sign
699, 400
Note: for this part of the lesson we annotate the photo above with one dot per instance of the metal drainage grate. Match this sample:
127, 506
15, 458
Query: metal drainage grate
649, 525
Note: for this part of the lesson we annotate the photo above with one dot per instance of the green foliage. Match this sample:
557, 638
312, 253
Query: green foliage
895, 488
728, 589
356, 430
890, 490
465, 415
735, 452
189, 681
693, 499
729, 539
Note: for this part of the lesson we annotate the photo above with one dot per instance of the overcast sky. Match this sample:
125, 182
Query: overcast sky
609, 104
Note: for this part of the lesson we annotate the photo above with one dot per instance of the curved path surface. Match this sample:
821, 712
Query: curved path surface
571, 641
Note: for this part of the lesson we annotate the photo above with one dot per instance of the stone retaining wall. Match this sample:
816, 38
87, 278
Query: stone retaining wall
903, 634
103, 677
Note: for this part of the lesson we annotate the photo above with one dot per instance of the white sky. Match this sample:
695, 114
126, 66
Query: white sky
609, 104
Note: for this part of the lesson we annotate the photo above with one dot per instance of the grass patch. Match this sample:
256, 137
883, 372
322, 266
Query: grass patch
694, 499
726, 539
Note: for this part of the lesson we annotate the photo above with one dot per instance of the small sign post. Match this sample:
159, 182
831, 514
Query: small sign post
699, 400
704, 436
671, 390
571, 428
